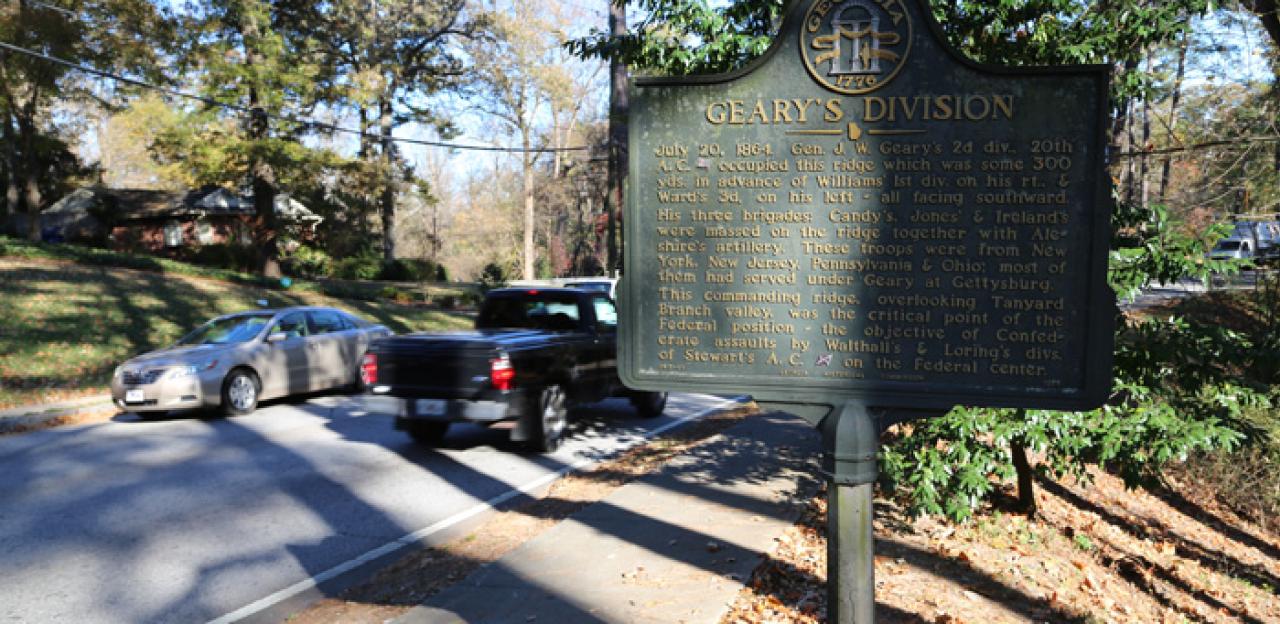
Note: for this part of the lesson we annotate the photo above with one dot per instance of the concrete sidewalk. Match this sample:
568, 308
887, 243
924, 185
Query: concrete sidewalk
675, 546
35, 416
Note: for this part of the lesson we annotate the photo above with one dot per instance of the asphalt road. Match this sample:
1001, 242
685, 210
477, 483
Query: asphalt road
189, 520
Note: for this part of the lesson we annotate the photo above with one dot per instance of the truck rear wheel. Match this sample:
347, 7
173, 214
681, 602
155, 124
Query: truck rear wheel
428, 433
549, 418
649, 404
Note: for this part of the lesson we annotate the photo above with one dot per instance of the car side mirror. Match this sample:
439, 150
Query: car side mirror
277, 337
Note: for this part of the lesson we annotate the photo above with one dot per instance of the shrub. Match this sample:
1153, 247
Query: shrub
223, 256
397, 271
395, 294
358, 268
1246, 480
307, 262
493, 276
410, 270
471, 298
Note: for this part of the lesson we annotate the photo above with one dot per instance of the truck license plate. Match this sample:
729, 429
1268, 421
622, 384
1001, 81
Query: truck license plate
134, 396
430, 407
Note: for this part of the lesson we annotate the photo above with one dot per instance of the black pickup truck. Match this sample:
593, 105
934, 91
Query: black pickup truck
533, 353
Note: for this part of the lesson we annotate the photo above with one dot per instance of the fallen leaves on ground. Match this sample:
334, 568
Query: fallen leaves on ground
1095, 553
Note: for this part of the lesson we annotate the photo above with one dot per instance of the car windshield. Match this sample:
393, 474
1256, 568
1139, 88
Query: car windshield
229, 330
1227, 245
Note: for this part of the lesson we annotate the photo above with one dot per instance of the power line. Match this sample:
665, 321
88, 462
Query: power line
309, 123
1198, 146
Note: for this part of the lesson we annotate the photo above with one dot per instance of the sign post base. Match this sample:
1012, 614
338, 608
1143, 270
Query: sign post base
850, 439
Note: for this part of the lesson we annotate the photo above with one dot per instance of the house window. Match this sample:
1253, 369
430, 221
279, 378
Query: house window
173, 234
204, 232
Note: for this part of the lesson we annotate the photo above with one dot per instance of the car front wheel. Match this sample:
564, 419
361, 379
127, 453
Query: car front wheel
240, 393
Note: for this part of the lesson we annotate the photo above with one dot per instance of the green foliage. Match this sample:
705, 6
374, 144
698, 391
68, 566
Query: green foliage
1151, 247
411, 270
493, 276
683, 37
109, 35
951, 465
306, 261
473, 297
363, 267
395, 294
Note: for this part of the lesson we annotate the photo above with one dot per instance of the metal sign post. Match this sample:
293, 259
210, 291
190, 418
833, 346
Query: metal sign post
864, 219
850, 440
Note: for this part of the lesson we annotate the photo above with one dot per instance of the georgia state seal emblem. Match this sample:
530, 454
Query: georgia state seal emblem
855, 46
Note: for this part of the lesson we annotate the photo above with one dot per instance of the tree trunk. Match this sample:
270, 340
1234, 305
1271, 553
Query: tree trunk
1173, 113
31, 188
1130, 166
1026, 481
263, 180
1144, 187
11, 193
30, 177
1266, 11
388, 200
526, 189
369, 195
1120, 137
262, 177
558, 156
618, 108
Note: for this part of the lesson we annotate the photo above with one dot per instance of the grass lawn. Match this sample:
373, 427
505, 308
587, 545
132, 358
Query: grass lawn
64, 326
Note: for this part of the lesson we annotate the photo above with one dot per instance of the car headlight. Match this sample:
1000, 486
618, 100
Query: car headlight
179, 372
117, 372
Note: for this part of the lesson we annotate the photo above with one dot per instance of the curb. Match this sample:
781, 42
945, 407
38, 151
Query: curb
30, 417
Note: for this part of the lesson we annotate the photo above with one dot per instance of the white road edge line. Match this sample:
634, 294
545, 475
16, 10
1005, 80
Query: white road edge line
412, 538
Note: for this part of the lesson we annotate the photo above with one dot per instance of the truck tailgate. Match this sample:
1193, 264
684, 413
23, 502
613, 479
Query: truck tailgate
446, 366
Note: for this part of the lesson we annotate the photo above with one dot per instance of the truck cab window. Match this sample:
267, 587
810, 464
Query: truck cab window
553, 312
606, 314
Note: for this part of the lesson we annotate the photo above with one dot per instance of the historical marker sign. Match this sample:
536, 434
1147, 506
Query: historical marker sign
863, 214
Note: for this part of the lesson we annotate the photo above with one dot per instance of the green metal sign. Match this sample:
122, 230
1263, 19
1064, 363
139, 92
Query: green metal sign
863, 214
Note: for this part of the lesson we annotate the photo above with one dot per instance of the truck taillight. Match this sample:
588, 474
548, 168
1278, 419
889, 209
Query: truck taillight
369, 369
501, 373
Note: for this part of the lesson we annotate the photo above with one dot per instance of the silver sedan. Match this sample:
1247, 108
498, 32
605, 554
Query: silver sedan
233, 362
